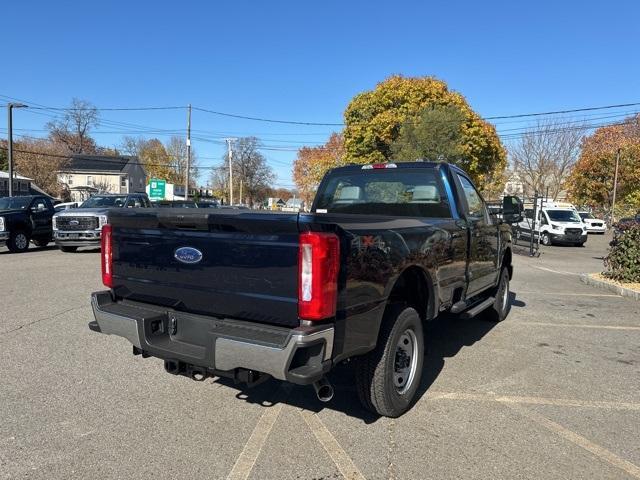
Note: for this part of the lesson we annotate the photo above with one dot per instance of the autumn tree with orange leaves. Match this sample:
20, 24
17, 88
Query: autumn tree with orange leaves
591, 181
313, 162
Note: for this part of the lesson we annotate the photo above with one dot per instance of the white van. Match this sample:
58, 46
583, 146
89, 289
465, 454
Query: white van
554, 225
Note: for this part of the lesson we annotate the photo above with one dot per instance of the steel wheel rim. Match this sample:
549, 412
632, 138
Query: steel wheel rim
405, 361
21, 241
505, 292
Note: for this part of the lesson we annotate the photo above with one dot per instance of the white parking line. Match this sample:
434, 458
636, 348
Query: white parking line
247, 459
342, 460
560, 272
559, 294
572, 325
515, 399
601, 452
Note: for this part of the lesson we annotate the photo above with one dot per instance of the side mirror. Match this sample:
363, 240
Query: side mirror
512, 209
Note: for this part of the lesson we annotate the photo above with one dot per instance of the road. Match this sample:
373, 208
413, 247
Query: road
553, 392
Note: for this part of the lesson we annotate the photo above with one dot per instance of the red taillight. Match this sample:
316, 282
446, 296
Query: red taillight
106, 254
318, 266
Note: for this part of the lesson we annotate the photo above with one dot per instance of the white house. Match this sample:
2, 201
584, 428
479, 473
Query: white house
88, 174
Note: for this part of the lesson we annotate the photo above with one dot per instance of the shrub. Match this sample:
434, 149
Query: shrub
623, 261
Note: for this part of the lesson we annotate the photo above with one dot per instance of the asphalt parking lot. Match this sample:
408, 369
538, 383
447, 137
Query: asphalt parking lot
552, 392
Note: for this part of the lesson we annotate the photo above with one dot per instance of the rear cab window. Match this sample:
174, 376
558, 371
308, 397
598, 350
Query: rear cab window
396, 192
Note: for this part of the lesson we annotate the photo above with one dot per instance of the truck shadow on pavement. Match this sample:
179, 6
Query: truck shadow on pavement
445, 337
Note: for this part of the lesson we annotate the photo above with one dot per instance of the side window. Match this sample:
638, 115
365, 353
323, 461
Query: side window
474, 200
40, 204
543, 219
134, 202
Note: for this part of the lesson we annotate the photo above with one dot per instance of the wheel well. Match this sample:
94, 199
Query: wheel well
21, 227
412, 288
506, 262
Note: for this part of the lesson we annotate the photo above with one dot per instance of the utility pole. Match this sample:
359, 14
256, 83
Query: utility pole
615, 187
10, 107
229, 140
240, 192
186, 183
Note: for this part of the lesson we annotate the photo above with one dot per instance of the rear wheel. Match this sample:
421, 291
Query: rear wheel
68, 249
501, 306
18, 242
388, 377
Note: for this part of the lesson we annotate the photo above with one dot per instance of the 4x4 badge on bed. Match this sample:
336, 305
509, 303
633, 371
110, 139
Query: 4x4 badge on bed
188, 255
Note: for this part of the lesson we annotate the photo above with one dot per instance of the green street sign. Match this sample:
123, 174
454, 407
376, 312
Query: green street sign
157, 189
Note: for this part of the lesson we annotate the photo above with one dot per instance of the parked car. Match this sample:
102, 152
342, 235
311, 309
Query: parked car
25, 219
623, 221
554, 225
251, 295
594, 225
82, 226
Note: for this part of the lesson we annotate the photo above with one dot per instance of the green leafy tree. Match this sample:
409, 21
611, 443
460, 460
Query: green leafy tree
374, 122
592, 177
435, 134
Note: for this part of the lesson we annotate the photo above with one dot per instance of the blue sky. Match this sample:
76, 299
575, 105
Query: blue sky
304, 61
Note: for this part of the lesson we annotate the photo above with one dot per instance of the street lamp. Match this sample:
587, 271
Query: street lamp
10, 107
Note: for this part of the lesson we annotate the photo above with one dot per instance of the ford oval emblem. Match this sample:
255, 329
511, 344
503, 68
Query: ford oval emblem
188, 255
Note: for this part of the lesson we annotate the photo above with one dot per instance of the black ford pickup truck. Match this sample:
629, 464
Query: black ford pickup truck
252, 295
23, 220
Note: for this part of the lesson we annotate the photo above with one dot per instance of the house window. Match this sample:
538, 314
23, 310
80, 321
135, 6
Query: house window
140, 182
69, 179
89, 181
123, 181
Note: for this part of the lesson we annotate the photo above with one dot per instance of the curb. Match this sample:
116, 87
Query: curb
625, 292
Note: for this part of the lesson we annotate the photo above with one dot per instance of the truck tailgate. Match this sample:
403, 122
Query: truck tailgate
248, 268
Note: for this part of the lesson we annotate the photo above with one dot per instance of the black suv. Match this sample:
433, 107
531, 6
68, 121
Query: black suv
25, 219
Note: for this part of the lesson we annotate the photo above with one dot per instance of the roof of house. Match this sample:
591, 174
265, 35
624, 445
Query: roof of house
4, 174
98, 163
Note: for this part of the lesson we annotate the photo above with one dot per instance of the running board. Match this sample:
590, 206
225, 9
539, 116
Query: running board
473, 311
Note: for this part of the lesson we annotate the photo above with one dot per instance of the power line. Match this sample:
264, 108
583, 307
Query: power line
558, 112
109, 109
268, 120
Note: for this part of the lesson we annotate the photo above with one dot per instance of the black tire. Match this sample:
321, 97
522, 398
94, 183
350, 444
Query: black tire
579, 244
545, 239
501, 306
41, 242
18, 241
378, 372
68, 249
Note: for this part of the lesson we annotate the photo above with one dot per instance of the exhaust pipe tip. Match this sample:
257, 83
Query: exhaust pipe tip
324, 390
